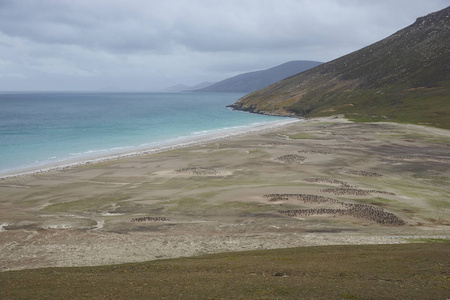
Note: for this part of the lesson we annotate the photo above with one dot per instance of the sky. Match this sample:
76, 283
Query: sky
149, 45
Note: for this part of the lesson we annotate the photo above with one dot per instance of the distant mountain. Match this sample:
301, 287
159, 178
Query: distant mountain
184, 88
176, 88
404, 77
250, 82
201, 85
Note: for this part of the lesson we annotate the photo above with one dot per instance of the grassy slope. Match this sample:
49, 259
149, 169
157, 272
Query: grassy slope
403, 78
423, 106
407, 271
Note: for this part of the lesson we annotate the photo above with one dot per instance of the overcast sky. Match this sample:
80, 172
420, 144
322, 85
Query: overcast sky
149, 45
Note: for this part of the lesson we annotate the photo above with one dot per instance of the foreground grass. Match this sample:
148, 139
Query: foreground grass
406, 271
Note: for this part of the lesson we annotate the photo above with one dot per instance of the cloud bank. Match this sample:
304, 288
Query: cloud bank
147, 45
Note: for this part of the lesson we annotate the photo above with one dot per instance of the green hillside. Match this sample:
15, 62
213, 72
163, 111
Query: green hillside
403, 78
406, 271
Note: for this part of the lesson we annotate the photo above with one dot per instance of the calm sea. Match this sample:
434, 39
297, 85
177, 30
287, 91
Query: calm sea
41, 129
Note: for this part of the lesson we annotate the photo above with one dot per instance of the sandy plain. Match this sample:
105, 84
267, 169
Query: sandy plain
233, 194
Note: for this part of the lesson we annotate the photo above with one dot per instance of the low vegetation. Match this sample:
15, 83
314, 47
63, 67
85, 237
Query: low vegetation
405, 271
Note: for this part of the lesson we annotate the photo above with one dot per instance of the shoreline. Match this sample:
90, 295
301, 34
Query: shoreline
233, 195
157, 147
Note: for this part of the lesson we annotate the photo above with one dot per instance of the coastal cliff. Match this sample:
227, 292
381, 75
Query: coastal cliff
403, 78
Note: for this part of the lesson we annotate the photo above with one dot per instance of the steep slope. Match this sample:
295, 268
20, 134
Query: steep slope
404, 77
252, 81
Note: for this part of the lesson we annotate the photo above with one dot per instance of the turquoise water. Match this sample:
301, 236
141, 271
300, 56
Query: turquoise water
39, 129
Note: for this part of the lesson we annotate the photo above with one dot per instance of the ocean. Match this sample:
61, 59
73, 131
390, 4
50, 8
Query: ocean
50, 129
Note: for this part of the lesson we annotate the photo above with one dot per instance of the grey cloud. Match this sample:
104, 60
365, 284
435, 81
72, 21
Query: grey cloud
147, 43
198, 25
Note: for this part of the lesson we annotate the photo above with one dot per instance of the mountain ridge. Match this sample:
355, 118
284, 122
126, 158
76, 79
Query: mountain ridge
252, 81
404, 77
183, 87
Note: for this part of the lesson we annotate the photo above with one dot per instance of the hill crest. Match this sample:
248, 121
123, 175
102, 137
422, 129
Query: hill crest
252, 81
404, 77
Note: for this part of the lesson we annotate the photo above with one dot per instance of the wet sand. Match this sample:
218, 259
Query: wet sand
340, 181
